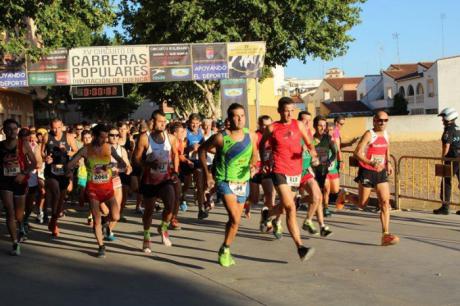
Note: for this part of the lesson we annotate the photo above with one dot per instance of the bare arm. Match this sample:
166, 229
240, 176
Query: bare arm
31, 157
255, 152
140, 148
307, 140
445, 149
117, 157
267, 134
82, 153
175, 153
73, 145
359, 151
124, 155
215, 141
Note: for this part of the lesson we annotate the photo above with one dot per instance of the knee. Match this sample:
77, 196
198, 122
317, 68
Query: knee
385, 205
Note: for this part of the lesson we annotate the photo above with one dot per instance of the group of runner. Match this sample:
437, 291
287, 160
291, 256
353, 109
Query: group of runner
163, 160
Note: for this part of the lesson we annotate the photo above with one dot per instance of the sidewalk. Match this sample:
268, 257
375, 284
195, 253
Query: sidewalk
350, 268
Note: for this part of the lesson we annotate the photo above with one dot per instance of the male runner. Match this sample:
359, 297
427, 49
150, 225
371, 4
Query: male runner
236, 152
373, 154
156, 153
285, 136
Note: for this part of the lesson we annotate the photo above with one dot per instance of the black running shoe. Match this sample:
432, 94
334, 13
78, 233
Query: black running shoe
101, 252
202, 214
325, 231
441, 211
305, 253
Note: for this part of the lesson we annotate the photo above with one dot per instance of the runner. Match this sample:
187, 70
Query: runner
36, 179
59, 146
99, 188
208, 193
314, 174
82, 177
305, 118
285, 136
119, 174
127, 144
450, 149
17, 161
157, 154
192, 169
236, 151
373, 152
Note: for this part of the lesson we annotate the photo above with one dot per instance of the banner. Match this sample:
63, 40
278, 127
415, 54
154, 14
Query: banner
234, 91
12, 72
136, 64
49, 70
210, 61
245, 59
109, 65
170, 63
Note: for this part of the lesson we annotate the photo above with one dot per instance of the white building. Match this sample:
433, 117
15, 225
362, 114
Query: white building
427, 86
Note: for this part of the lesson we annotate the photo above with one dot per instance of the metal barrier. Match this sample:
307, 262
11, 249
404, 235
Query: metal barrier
350, 171
420, 178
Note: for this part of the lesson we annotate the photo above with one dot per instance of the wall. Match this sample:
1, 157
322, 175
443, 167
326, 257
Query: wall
400, 128
16, 105
448, 83
268, 101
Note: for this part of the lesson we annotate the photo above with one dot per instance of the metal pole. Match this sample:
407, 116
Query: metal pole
257, 98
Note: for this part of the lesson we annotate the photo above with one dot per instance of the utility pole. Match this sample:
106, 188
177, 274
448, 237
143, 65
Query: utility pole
396, 37
443, 17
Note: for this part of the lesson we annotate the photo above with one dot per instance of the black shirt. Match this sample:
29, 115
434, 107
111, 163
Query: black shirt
451, 136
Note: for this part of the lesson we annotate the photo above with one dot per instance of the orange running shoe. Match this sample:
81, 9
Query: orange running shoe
389, 239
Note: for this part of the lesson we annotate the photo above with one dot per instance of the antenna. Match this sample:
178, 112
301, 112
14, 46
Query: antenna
443, 17
396, 37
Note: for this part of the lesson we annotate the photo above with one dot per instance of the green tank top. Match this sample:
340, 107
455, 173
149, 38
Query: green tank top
233, 160
306, 161
324, 153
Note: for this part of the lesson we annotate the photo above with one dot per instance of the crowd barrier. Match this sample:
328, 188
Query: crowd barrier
413, 178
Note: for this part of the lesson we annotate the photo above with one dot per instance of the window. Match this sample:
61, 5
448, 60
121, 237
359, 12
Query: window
402, 92
361, 96
390, 93
431, 111
410, 91
326, 95
430, 86
417, 111
420, 91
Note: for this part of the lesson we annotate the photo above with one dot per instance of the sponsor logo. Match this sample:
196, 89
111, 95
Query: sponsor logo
233, 92
209, 53
180, 72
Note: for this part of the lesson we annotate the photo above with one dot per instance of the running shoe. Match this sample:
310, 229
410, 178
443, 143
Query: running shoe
183, 206
305, 253
157, 207
101, 251
16, 251
443, 210
389, 239
225, 258
202, 214
89, 220
327, 212
277, 229
22, 236
325, 231
146, 243
53, 227
110, 237
310, 227
458, 212
40, 217
297, 202
164, 236
264, 216
140, 210
123, 219
174, 225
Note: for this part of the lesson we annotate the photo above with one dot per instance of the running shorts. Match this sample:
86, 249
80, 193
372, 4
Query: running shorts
371, 179
8, 184
99, 192
153, 191
240, 190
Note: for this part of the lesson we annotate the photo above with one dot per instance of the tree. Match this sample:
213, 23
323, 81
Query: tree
54, 23
399, 105
291, 28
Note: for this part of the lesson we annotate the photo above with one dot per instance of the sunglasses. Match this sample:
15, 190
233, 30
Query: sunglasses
382, 120
114, 135
79, 129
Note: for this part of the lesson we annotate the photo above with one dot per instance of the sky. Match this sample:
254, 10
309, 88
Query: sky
418, 23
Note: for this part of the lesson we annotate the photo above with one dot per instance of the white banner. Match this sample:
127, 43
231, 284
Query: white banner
109, 65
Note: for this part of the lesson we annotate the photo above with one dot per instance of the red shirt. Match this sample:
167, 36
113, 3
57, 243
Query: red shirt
376, 149
287, 149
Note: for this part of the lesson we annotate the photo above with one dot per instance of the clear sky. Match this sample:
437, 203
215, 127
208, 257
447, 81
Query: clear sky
418, 23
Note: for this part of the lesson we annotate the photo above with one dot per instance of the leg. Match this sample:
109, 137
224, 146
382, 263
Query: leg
234, 210
383, 194
254, 194
199, 184
114, 203
149, 204
8, 202
287, 204
363, 194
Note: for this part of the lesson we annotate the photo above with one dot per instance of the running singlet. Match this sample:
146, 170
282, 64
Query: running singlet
233, 160
267, 158
98, 165
376, 150
59, 155
11, 162
287, 148
160, 152
115, 168
306, 162
322, 147
193, 139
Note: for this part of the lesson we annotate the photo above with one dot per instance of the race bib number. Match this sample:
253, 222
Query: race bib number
379, 159
57, 169
239, 189
293, 181
322, 155
162, 168
332, 166
11, 170
100, 174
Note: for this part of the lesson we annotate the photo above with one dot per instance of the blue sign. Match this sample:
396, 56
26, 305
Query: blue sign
214, 71
13, 78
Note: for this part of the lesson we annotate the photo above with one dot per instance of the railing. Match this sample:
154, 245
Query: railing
410, 99
420, 179
350, 172
419, 99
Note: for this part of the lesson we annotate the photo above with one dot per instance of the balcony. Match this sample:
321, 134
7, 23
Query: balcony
419, 99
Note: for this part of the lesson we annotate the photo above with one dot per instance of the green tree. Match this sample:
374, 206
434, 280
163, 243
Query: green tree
291, 28
399, 105
59, 23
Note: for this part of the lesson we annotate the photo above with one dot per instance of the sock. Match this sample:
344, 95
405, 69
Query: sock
147, 235
164, 226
